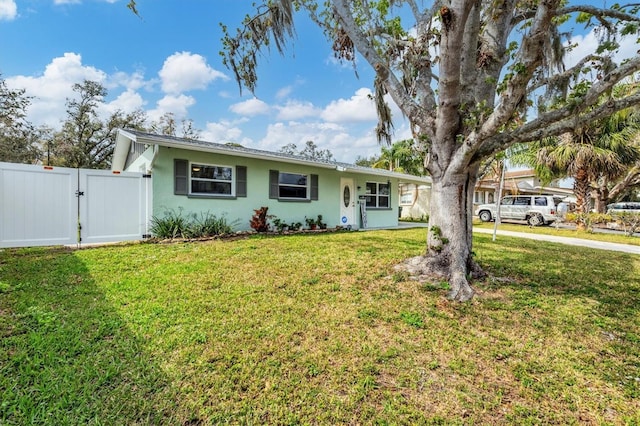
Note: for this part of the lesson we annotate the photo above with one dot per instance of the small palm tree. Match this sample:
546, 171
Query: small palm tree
598, 152
401, 157
603, 150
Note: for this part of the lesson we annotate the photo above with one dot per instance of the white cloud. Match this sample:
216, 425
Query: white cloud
358, 108
186, 71
295, 110
54, 86
344, 143
226, 94
588, 43
225, 131
284, 92
8, 10
250, 107
178, 105
128, 101
132, 82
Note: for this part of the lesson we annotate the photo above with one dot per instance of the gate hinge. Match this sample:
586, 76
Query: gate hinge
147, 176
146, 236
79, 193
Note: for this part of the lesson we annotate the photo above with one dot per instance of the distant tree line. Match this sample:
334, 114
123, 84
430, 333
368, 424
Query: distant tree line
85, 140
310, 151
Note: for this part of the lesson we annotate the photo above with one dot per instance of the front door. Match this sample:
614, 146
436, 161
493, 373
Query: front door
347, 203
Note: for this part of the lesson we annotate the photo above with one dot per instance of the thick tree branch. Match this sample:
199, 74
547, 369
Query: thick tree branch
567, 118
599, 13
377, 62
631, 179
530, 57
548, 125
574, 71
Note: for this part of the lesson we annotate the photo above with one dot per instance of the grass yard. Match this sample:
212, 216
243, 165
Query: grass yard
316, 329
617, 237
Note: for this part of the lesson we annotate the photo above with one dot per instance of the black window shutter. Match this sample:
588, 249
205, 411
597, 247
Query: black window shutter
274, 175
314, 187
390, 193
180, 177
241, 181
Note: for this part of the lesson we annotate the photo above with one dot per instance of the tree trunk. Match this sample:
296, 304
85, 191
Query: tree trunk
449, 237
602, 197
581, 189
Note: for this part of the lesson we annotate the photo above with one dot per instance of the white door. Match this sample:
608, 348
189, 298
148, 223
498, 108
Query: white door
347, 203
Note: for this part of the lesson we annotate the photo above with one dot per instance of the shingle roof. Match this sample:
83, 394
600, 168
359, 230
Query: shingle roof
240, 151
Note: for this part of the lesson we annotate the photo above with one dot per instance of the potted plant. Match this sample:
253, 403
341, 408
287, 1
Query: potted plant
320, 223
311, 222
280, 225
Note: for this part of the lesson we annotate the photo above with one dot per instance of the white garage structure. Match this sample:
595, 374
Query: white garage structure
42, 205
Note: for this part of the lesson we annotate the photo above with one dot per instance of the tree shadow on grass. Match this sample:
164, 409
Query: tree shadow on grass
590, 296
65, 355
609, 278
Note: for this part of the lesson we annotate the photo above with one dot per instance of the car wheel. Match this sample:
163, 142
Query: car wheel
485, 216
535, 220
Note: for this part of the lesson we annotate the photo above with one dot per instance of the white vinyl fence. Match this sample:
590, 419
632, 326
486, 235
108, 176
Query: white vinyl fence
41, 205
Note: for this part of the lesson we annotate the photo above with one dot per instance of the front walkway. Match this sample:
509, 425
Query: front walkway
624, 248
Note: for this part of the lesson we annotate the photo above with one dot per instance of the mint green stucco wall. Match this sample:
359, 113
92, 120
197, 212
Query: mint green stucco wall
239, 210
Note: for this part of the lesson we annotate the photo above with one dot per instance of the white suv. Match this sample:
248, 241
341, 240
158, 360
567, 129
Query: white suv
535, 209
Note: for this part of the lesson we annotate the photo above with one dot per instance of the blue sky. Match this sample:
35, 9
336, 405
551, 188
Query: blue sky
168, 61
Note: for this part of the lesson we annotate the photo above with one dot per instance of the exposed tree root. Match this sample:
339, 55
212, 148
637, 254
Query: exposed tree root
431, 268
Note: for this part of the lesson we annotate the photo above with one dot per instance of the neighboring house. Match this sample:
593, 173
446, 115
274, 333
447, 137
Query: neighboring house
233, 181
516, 182
415, 200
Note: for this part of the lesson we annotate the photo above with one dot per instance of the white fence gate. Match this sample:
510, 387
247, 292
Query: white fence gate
41, 205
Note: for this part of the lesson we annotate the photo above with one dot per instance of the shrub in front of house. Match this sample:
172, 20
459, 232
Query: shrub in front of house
172, 225
175, 225
260, 220
208, 225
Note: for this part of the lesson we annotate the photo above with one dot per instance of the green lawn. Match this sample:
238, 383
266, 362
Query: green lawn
316, 329
617, 237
